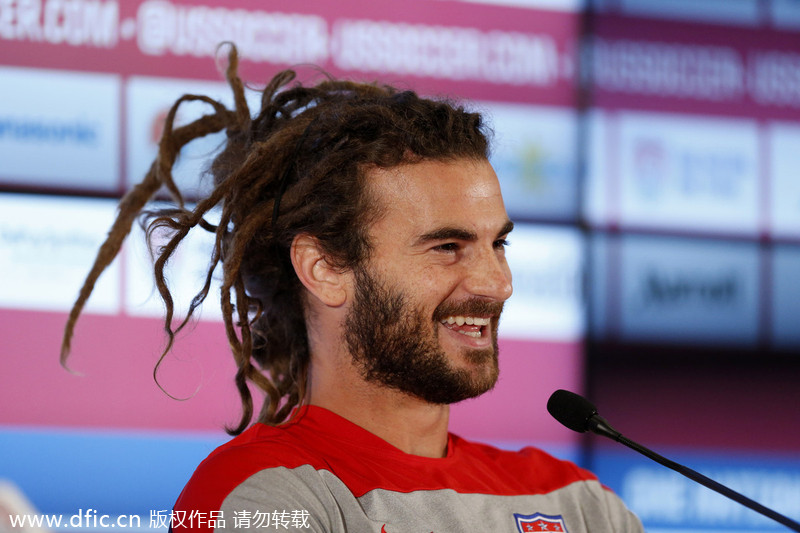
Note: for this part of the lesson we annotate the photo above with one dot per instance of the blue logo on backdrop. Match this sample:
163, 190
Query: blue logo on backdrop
39, 130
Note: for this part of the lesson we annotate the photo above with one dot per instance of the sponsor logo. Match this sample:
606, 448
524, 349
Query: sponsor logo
25, 129
540, 522
686, 288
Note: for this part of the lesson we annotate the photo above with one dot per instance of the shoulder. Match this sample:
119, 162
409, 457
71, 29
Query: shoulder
570, 488
258, 449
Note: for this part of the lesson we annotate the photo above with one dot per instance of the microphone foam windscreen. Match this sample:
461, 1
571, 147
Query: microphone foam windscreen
571, 410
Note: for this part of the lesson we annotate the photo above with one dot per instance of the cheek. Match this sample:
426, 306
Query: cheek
426, 285
437, 285
432, 276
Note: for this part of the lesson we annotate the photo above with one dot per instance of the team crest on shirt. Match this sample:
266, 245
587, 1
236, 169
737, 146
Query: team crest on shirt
539, 522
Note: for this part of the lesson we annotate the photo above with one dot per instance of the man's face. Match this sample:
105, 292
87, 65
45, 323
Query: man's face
426, 304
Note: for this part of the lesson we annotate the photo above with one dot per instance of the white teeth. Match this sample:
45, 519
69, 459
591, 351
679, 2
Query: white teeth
469, 320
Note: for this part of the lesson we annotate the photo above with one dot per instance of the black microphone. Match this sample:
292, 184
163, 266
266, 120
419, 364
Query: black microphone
579, 414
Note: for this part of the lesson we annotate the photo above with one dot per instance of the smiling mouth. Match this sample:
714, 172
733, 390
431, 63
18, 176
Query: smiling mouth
471, 326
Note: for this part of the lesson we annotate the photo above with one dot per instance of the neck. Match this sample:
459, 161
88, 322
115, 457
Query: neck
412, 425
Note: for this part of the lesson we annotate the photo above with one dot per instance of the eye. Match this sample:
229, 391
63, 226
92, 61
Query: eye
501, 244
447, 247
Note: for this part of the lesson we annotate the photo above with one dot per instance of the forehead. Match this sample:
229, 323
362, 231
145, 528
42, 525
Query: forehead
416, 197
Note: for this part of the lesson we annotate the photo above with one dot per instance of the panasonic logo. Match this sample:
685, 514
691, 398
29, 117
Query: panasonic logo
62, 132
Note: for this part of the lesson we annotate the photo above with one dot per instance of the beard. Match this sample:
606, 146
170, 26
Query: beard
394, 344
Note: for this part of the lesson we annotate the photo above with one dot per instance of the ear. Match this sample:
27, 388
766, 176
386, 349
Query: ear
322, 280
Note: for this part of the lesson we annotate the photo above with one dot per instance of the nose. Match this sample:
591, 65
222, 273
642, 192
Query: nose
489, 276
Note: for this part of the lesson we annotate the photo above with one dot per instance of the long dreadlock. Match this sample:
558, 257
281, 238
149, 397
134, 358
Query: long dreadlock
299, 166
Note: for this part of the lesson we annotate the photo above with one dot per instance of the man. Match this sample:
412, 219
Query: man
362, 237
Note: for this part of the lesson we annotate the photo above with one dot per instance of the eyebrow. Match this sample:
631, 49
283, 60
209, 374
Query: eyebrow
459, 234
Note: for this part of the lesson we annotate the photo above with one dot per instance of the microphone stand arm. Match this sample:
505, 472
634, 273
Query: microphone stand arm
599, 425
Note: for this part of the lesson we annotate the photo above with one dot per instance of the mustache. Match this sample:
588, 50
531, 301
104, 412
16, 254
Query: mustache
470, 307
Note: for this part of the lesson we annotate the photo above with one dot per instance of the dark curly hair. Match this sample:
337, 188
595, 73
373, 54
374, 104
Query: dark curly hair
300, 166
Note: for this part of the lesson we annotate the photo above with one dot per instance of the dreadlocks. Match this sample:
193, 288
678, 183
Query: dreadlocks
300, 166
